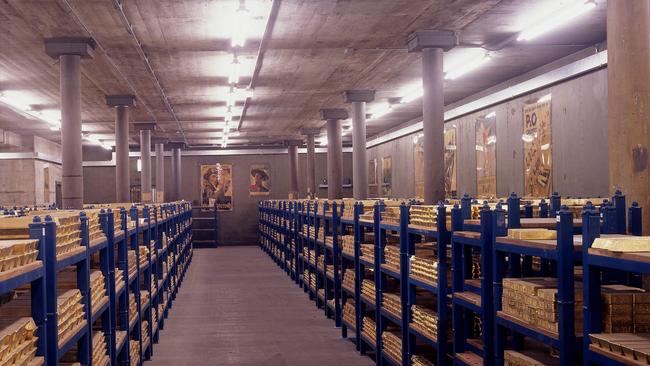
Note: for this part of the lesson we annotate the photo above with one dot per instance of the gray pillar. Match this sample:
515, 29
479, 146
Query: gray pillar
433, 125
311, 164
293, 163
145, 158
333, 117
122, 179
432, 44
121, 103
72, 170
160, 173
176, 174
359, 98
69, 51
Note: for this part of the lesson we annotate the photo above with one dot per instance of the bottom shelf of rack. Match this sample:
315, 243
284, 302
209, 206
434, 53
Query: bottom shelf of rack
468, 358
616, 357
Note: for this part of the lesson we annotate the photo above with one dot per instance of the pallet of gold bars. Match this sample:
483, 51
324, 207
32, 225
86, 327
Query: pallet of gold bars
18, 341
629, 348
17, 255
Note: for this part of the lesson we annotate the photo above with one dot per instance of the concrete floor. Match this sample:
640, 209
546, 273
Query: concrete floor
236, 307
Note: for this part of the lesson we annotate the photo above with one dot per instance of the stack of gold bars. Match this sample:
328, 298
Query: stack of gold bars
68, 233
133, 265
424, 320
368, 329
391, 256
368, 290
134, 349
97, 290
119, 279
529, 358
392, 344
424, 216
95, 232
347, 245
17, 253
312, 256
312, 282
144, 298
305, 276
390, 215
100, 351
348, 279
534, 301
349, 312
144, 255
625, 309
348, 209
17, 340
133, 307
419, 360
424, 268
631, 346
368, 252
392, 303
145, 331
71, 313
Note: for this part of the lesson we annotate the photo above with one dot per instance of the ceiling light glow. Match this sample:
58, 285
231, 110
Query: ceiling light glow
233, 76
544, 99
560, 14
240, 25
468, 66
380, 110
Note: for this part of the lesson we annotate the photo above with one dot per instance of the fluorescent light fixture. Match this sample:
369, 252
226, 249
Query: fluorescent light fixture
491, 114
240, 25
544, 99
233, 76
138, 165
411, 92
22, 103
230, 100
380, 110
557, 15
228, 116
468, 66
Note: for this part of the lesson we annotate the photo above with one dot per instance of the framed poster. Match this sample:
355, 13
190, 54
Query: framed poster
260, 180
451, 184
386, 176
372, 178
418, 165
216, 186
537, 139
486, 157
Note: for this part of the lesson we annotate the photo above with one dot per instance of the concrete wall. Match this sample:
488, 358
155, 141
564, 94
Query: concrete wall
238, 226
579, 123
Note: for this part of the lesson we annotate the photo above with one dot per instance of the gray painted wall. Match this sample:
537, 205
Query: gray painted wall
239, 226
579, 122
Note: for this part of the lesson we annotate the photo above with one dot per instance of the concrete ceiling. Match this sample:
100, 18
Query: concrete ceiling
176, 59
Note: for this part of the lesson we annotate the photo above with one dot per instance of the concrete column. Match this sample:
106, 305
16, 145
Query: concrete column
311, 133
292, 148
334, 151
69, 52
628, 86
432, 44
160, 173
121, 103
176, 174
359, 98
145, 158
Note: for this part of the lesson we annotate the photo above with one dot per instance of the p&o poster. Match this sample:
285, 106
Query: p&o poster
537, 150
486, 157
216, 186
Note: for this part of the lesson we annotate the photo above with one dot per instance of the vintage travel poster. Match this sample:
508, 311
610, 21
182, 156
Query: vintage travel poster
372, 178
387, 176
260, 180
418, 166
537, 138
451, 186
216, 186
486, 157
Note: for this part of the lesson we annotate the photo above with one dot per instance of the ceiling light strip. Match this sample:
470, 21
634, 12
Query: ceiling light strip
577, 68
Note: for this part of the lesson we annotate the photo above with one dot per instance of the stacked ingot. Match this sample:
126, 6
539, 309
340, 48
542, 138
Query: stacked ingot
424, 216
97, 289
144, 255
100, 351
349, 312
119, 277
420, 360
392, 344
17, 340
312, 282
391, 256
368, 329
144, 330
133, 307
368, 290
529, 358
390, 215
368, 252
133, 265
144, 298
348, 209
534, 301
348, 279
95, 231
17, 253
392, 303
425, 268
134, 350
347, 245
70, 312
312, 256
641, 312
425, 320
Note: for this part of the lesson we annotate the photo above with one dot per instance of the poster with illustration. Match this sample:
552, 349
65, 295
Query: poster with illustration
260, 180
216, 186
486, 157
418, 164
387, 176
451, 185
537, 139
372, 178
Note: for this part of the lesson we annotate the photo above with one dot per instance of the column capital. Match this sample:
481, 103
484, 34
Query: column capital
60, 46
333, 113
175, 145
350, 96
146, 126
288, 143
120, 100
310, 131
419, 40
159, 140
